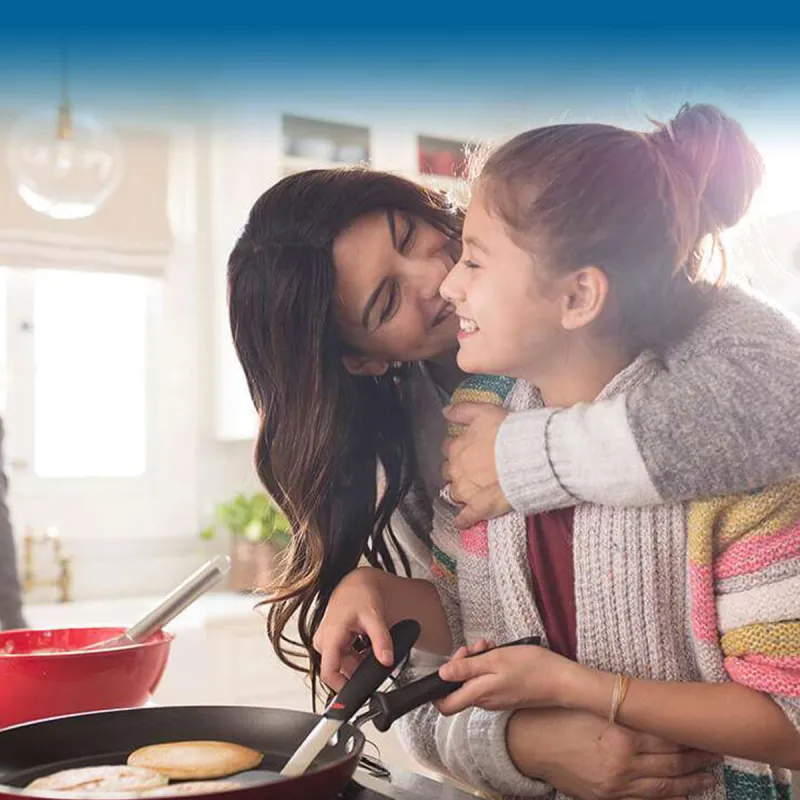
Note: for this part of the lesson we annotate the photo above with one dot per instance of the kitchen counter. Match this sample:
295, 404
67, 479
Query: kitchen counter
127, 610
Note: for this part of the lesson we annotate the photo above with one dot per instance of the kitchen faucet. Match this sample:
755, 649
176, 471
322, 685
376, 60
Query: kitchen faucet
30, 580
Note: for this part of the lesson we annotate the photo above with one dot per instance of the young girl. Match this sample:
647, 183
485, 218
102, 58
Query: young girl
582, 265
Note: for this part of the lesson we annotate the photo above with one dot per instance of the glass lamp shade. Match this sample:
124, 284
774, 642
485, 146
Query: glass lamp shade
64, 165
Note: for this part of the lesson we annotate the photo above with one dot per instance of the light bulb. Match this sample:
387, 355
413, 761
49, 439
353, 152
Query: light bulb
65, 165
64, 155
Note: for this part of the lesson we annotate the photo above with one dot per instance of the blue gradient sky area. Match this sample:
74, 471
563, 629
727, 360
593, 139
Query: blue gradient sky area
398, 47
520, 68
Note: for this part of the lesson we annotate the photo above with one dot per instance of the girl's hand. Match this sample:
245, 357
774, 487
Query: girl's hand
481, 646
524, 676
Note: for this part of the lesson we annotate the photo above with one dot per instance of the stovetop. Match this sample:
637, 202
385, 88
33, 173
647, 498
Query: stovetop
400, 785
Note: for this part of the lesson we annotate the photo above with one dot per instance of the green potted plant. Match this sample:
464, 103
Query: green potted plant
258, 532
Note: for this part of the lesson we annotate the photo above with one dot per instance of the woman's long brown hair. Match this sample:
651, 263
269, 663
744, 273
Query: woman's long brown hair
322, 431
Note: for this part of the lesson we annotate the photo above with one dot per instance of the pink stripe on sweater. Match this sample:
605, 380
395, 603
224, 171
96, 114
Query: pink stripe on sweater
780, 677
757, 552
779, 662
704, 609
475, 540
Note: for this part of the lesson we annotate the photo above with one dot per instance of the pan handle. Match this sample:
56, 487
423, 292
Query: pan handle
370, 674
386, 707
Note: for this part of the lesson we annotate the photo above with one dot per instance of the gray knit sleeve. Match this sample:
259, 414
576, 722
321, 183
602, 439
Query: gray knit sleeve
10, 593
718, 420
550, 459
723, 418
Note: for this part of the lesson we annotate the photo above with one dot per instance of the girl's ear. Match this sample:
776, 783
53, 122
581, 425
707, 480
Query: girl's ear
584, 297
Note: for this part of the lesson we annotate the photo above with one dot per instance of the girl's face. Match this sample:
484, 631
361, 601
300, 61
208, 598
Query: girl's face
509, 308
389, 267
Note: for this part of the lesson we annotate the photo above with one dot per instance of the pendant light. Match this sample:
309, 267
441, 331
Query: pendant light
64, 164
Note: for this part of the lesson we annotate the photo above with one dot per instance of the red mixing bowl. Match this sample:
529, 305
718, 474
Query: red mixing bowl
42, 675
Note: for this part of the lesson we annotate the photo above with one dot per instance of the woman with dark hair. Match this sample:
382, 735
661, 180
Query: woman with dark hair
339, 326
348, 353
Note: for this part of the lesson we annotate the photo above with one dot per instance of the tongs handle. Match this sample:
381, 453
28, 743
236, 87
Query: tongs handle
386, 707
371, 674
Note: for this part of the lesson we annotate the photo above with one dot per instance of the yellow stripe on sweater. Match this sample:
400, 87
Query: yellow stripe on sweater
714, 525
769, 639
467, 394
470, 395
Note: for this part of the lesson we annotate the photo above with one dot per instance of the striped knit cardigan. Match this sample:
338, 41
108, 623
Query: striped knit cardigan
707, 591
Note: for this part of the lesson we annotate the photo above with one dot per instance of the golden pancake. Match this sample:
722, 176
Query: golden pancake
100, 779
182, 761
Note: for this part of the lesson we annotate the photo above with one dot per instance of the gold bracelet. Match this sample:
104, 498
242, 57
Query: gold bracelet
621, 683
612, 711
626, 682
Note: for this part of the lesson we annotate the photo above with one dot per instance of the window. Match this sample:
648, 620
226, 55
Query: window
90, 374
74, 354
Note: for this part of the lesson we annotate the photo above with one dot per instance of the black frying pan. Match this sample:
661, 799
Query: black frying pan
107, 737
35, 749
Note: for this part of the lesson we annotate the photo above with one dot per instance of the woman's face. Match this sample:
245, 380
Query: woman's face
389, 267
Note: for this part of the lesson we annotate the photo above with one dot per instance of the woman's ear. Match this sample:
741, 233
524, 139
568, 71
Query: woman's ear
584, 296
364, 365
